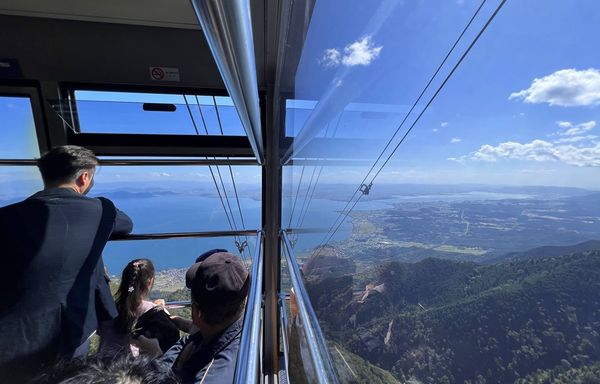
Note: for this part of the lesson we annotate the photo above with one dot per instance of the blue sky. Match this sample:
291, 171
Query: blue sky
523, 108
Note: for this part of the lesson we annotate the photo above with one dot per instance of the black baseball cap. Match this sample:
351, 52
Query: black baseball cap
220, 277
208, 253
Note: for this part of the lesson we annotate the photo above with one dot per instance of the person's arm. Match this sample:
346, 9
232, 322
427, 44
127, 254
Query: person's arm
170, 356
123, 224
148, 346
183, 324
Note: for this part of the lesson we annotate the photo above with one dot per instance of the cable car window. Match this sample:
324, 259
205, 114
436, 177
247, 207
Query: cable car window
465, 249
155, 113
184, 198
17, 183
18, 138
172, 257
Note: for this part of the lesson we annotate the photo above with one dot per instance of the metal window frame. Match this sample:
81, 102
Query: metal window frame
248, 360
160, 145
317, 345
30, 90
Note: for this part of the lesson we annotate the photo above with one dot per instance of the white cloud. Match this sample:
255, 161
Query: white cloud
565, 88
435, 129
575, 139
455, 140
540, 150
360, 52
444, 124
575, 129
331, 58
160, 174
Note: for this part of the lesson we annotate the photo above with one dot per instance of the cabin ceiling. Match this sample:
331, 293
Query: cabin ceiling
116, 42
158, 13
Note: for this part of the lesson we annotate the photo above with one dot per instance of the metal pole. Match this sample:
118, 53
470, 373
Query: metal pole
272, 223
145, 162
227, 26
183, 235
317, 346
247, 364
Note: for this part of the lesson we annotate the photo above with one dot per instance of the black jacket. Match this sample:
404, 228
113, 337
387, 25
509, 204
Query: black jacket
214, 362
52, 278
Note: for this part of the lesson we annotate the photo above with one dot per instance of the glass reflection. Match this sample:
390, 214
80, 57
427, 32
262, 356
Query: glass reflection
127, 112
472, 256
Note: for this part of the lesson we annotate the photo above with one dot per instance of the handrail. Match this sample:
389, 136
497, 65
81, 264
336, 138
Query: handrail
247, 364
317, 346
183, 303
183, 235
284, 336
146, 162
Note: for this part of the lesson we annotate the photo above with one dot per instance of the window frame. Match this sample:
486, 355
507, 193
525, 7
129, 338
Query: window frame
34, 96
161, 145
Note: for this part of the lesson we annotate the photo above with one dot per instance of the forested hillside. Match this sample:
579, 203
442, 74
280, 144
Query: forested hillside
439, 321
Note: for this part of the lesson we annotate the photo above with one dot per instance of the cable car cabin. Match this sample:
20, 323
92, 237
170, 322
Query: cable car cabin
412, 188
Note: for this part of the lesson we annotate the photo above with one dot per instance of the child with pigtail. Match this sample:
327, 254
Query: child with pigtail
135, 287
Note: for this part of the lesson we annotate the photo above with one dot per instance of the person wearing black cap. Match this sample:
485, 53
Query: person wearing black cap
219, 284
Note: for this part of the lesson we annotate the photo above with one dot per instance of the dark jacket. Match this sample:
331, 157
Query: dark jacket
224, 349
52, 276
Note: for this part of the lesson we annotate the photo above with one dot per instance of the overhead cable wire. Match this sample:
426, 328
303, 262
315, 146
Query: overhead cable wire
345, 213
307, 189
232, 225
307, 198
237, 198
310, 196
209, 167
414, 105
296, 198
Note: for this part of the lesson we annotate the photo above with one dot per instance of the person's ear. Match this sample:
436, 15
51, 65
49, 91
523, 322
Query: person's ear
85, 181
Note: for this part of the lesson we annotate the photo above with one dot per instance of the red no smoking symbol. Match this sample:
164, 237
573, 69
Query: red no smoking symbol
157, 74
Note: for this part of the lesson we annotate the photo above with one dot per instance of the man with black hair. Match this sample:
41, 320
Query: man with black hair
122, 369
219, 284
53, 282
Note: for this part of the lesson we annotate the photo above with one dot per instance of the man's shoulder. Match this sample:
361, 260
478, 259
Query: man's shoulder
65, 195
172, 353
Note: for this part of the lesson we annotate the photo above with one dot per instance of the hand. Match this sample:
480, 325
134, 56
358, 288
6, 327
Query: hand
147, 346
184, 325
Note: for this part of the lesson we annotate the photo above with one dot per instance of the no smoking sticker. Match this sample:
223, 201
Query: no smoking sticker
164, 74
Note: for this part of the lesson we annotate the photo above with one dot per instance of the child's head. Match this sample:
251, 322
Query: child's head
138, 277
136, 283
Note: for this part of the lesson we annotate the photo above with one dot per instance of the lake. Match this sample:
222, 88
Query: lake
183, 213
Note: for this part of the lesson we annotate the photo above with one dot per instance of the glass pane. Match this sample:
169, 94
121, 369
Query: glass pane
153, 113
471, 253
18, 138
18, 183
184, 198
171, 257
